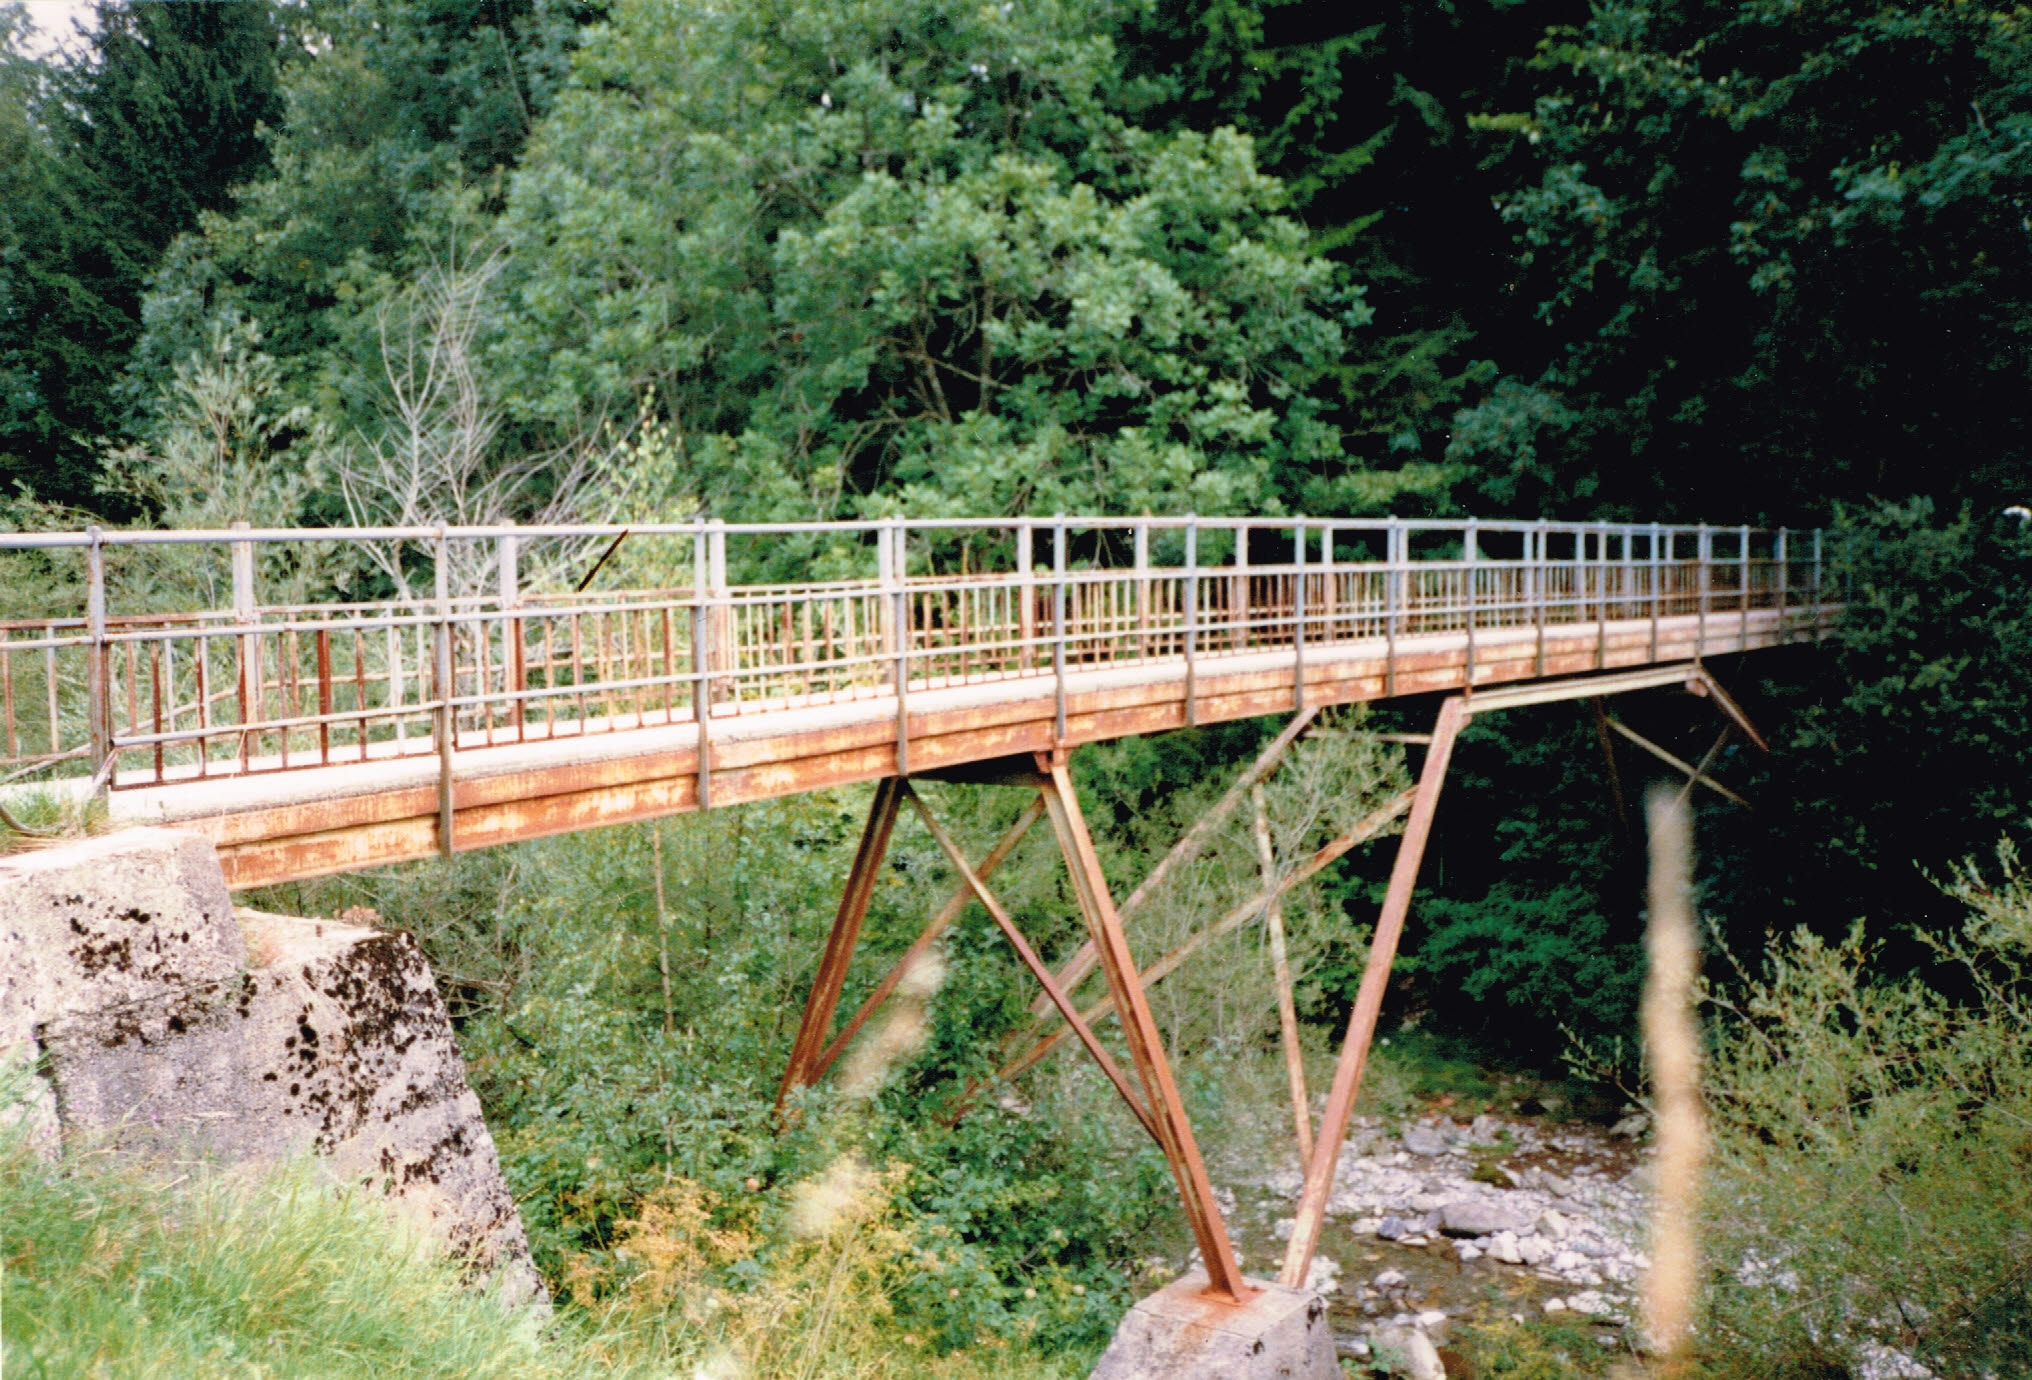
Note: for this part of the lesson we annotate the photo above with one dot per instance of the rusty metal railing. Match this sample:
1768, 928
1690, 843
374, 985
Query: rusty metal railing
154, 657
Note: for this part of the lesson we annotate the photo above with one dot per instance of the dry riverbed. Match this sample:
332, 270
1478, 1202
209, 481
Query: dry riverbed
1438, 1224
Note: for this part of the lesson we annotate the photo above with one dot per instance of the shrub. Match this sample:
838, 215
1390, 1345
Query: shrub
1873, 1144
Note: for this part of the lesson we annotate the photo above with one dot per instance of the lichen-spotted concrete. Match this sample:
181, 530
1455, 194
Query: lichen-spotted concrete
171, 1024
1178, 1333
107, 920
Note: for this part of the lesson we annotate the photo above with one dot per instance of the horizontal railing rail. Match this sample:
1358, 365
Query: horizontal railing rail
157, 657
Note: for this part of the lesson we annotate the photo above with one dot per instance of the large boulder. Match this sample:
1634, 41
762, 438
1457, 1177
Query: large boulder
1483, 1217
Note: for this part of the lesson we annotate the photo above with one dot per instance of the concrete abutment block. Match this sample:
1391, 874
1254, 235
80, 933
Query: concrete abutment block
1179, 1333
171, 1024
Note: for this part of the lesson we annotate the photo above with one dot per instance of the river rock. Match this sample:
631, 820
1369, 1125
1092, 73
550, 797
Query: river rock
1408, 1352
1482, 1217
1421, 1139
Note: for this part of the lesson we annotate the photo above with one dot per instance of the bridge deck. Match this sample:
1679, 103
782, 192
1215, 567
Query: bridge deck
285, 825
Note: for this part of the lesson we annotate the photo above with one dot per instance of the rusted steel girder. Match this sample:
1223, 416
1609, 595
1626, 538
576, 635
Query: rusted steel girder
949, 912
1194, 839
824, 998
1146, 1045
1340, 1101
1037, 968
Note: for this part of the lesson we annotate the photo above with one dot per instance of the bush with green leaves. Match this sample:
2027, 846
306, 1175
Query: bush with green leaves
1873, 1140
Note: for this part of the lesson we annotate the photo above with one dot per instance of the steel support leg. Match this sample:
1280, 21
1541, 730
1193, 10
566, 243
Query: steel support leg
1340, 1102
1139, 1027
940, 922
1038, 970
846, 932
1188, 847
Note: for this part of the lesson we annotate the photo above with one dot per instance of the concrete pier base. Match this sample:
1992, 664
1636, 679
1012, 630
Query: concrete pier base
1178, 1333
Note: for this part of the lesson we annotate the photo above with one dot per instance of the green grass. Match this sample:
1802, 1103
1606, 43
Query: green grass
115, 1269
112, 1270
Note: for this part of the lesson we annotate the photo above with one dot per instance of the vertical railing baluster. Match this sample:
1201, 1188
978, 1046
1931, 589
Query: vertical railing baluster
1058, 568
447, 716
323, 645
99, 712
201, 667
1191, 619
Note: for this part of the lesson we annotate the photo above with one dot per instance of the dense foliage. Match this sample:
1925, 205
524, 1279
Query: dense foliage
1867, 1131
1777, 250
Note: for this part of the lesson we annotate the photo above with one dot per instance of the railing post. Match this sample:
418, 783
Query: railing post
1743, 590
899, 599
1396, 575
1782, 555
1026, 590
725, 645
1241, 611
1058, 567
701, 660
1657, 579
99, 713
1143, 589
1470, 572
1330, 596
1298, 618
447, 715
1191, 618
245, 611
509, 570
1540, 538
1601, 595
1816, 584
1703, 584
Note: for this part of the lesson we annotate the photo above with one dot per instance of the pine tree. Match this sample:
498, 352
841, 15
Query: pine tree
104, 162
